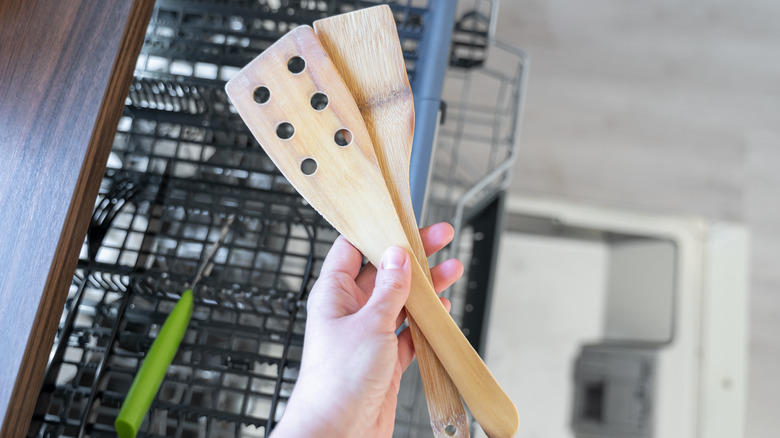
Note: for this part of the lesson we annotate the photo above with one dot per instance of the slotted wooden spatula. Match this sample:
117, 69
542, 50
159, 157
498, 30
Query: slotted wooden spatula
325, 151
366, 51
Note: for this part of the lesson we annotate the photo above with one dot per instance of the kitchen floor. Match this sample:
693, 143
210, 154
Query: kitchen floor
660, 106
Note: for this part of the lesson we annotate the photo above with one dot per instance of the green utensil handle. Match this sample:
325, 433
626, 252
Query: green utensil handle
154, 368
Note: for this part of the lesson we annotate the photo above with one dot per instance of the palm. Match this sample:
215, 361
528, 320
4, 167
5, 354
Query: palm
352, 359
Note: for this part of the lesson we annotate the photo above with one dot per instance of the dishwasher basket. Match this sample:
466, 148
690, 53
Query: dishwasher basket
181, 163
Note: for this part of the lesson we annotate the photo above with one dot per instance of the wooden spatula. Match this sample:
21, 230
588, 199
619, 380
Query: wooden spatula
366, 51
325, 151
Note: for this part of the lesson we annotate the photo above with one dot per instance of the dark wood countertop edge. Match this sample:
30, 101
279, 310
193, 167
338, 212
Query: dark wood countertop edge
30, 376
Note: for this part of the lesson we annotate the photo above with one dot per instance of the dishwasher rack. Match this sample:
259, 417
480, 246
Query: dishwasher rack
181, 163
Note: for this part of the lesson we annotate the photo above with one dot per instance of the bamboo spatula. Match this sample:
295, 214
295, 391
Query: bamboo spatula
326, 153
366, 51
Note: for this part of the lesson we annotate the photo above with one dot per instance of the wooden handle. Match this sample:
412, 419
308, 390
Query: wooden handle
345, 185
366, 51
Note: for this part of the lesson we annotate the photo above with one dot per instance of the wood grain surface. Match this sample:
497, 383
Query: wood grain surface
65, 68
348, 189
366, 51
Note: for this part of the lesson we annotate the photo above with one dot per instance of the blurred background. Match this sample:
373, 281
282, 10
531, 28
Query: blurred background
658, 107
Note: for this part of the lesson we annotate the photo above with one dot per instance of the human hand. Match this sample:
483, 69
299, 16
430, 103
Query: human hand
352, 359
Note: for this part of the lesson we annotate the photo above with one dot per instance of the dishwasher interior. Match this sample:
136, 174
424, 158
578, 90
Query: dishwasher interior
182, 162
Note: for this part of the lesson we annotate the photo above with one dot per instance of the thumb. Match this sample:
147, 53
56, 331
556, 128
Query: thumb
391, 288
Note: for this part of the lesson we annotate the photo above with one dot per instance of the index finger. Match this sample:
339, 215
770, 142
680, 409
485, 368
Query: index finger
342, 257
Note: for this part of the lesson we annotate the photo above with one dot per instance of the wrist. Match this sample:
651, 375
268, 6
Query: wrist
306, 415
291, 426
309, 424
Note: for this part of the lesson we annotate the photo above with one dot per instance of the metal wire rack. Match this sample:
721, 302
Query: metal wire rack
239, 359
182, 161
477, 146
193, 47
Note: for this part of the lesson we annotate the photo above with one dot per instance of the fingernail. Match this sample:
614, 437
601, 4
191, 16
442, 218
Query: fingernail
393, 258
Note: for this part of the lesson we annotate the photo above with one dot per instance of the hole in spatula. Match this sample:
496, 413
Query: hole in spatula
296, 64
285, 130
451, 430
308, 166
319, 101
262, 94
343, 137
